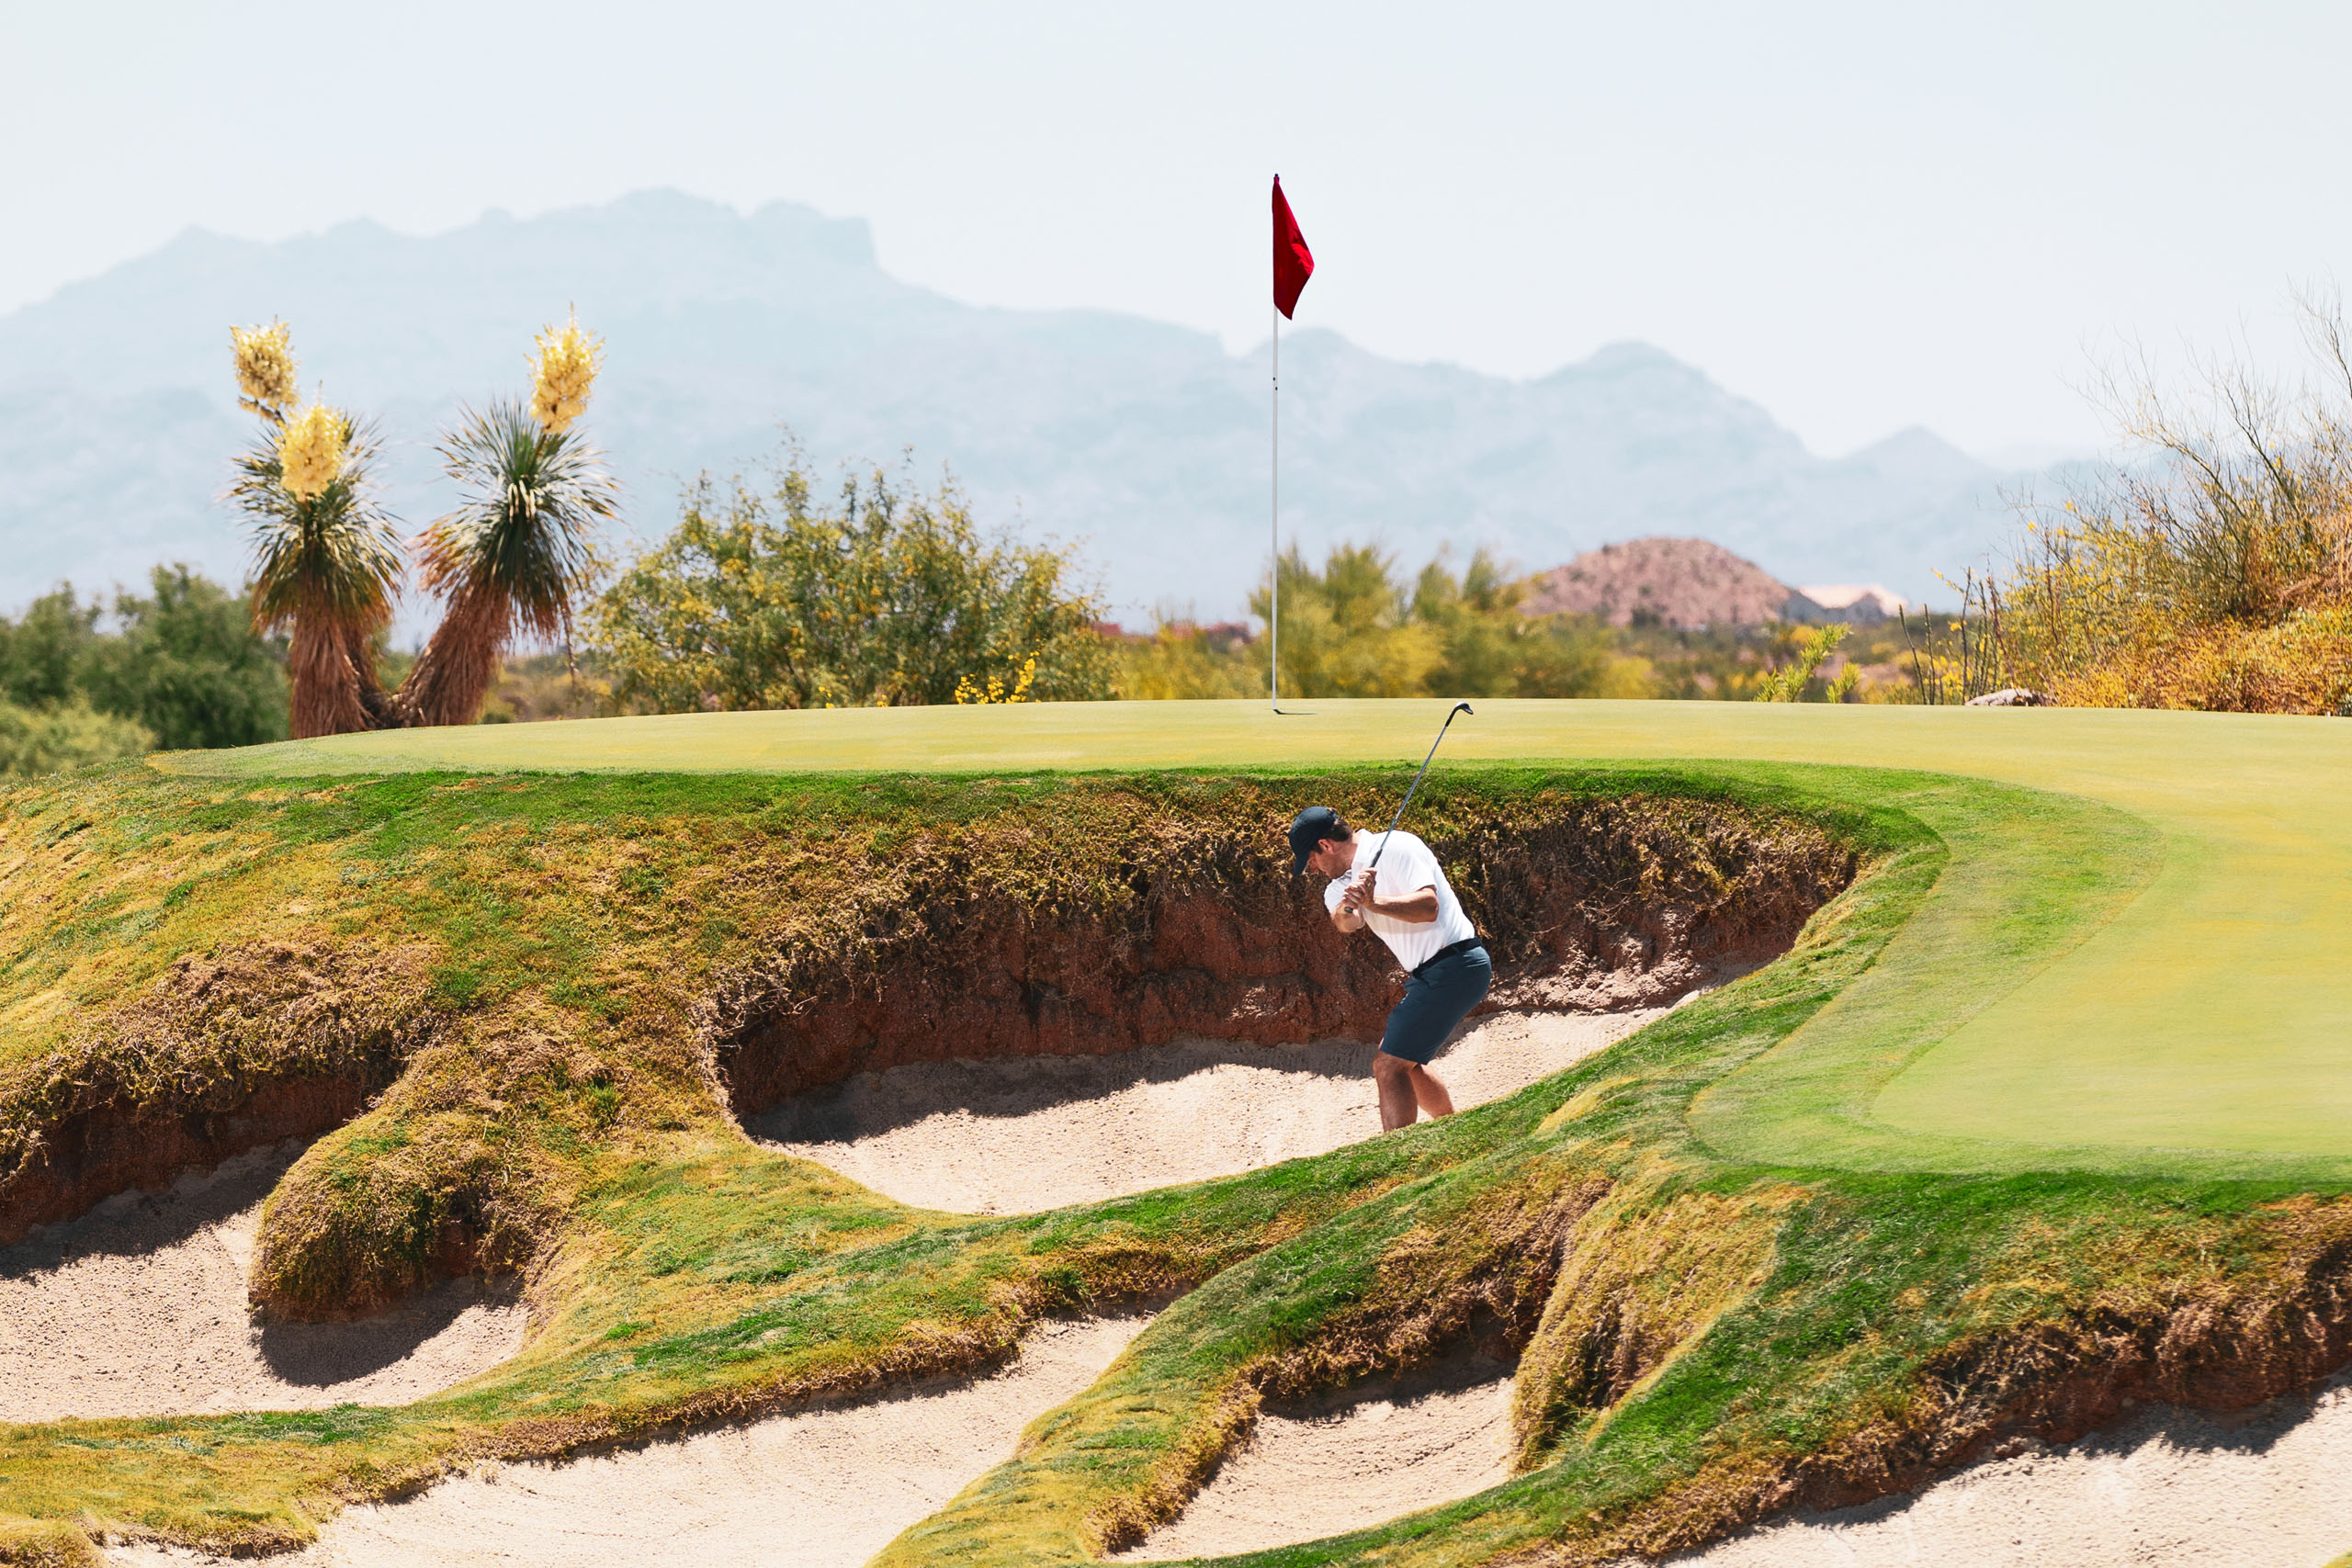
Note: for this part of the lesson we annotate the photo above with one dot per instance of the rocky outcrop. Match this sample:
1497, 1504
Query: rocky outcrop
1687, 583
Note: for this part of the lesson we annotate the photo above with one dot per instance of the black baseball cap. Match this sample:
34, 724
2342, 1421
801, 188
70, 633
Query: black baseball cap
1310, 827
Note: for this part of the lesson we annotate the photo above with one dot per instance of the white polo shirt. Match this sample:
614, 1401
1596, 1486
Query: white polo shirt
1406, 868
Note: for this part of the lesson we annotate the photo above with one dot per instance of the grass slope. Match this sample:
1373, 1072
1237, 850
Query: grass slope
535, 944
2209, 1015
1746, 1272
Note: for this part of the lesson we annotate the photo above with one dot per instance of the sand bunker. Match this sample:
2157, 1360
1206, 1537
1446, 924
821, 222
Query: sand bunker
138, 1308
823, 1488
1015, 1134
1349, 1460
2263, 1488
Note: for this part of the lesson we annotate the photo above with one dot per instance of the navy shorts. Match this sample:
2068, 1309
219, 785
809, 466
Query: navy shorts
1438, 996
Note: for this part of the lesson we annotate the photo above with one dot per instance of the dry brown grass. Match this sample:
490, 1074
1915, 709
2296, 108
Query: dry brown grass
46, 1543
1637, 1286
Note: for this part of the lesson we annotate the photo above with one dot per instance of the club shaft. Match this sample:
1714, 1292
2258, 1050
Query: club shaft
1416, 785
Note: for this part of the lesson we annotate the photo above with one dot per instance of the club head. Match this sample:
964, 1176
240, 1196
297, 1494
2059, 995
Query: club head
1460, 707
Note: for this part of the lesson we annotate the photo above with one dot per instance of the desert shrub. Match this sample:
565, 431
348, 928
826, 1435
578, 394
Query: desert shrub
1355, 627
1490, 648
545, 686
187, 664
1349, 630
2214, 570
1181, 659
44, 651
183, 665
1806, 649
892, 596
69, 735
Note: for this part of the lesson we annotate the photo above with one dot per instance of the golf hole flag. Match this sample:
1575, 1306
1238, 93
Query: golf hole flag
1294, 263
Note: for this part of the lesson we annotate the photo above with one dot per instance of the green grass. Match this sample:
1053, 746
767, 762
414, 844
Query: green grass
2206, 1014
1892, 1202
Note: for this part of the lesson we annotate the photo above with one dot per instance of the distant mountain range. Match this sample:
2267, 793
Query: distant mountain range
1148, 440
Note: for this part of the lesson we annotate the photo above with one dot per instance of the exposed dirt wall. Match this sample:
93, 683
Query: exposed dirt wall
222, 1055
1100, 923
1587, 905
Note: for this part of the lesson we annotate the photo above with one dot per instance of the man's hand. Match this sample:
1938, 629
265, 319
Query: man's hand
1415, 909
1349, 915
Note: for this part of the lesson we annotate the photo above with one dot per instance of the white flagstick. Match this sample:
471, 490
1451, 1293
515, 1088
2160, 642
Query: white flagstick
1274, 616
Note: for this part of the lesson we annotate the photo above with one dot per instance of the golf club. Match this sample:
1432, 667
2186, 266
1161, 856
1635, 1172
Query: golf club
1458, 707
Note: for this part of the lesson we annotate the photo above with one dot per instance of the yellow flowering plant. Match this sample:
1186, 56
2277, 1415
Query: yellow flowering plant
563, 373
970, 692
264, 361
310, 451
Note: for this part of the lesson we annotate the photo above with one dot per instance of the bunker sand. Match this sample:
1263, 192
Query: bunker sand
139, 1308
835, 1485
2263, 1488
1350, 1459
823, 1489
1018, 1134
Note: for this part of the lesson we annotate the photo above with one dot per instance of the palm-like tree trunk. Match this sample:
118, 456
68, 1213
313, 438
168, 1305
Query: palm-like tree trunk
452, 676
329, 687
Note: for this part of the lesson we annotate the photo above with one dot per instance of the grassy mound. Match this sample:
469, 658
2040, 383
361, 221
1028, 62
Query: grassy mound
1736, 1278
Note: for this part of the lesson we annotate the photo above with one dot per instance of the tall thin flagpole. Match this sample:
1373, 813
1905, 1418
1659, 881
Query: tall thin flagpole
1275, 528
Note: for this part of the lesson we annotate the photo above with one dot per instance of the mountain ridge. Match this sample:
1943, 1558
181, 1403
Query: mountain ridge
725, 329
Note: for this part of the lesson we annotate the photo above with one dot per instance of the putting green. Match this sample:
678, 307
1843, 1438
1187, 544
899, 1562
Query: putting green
2163, 986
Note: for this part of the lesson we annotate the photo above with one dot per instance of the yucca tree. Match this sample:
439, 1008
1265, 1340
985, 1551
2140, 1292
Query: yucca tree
511, 560
327, 555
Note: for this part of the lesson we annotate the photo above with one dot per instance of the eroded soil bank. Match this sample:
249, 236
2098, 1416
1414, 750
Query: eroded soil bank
232, 1052
824, 947
597, 993
1588, 906
1701, 1345
1349, 1459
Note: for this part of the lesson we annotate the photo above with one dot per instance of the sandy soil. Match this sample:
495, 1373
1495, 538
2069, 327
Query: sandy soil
138, 1308
2266, 1488
1017, 1135
824, 1488
1350, 1459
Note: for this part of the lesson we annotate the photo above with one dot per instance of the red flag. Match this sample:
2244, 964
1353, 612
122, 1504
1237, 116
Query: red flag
1294, 263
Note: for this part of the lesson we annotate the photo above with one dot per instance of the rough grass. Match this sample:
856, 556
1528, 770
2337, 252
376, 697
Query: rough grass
2204, 1017
1724, 1338
542, 944
1716, 1327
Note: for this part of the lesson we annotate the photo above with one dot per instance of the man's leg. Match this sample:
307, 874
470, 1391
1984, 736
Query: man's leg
1394, 1077
1434, 1002
1429, 1092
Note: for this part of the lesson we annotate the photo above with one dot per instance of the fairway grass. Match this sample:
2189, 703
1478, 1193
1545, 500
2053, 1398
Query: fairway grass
2195, 1016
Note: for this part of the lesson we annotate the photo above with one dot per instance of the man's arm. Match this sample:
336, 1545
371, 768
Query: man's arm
1417, 908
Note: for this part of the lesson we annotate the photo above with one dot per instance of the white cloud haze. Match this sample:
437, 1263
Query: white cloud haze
1864, 217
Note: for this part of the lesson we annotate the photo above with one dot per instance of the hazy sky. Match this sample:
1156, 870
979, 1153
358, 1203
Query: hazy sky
1863, 216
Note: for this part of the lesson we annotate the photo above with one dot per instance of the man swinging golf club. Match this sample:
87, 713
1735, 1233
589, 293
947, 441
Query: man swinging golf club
1392, 883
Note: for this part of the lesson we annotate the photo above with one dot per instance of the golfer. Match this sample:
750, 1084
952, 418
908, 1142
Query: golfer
1409, 905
